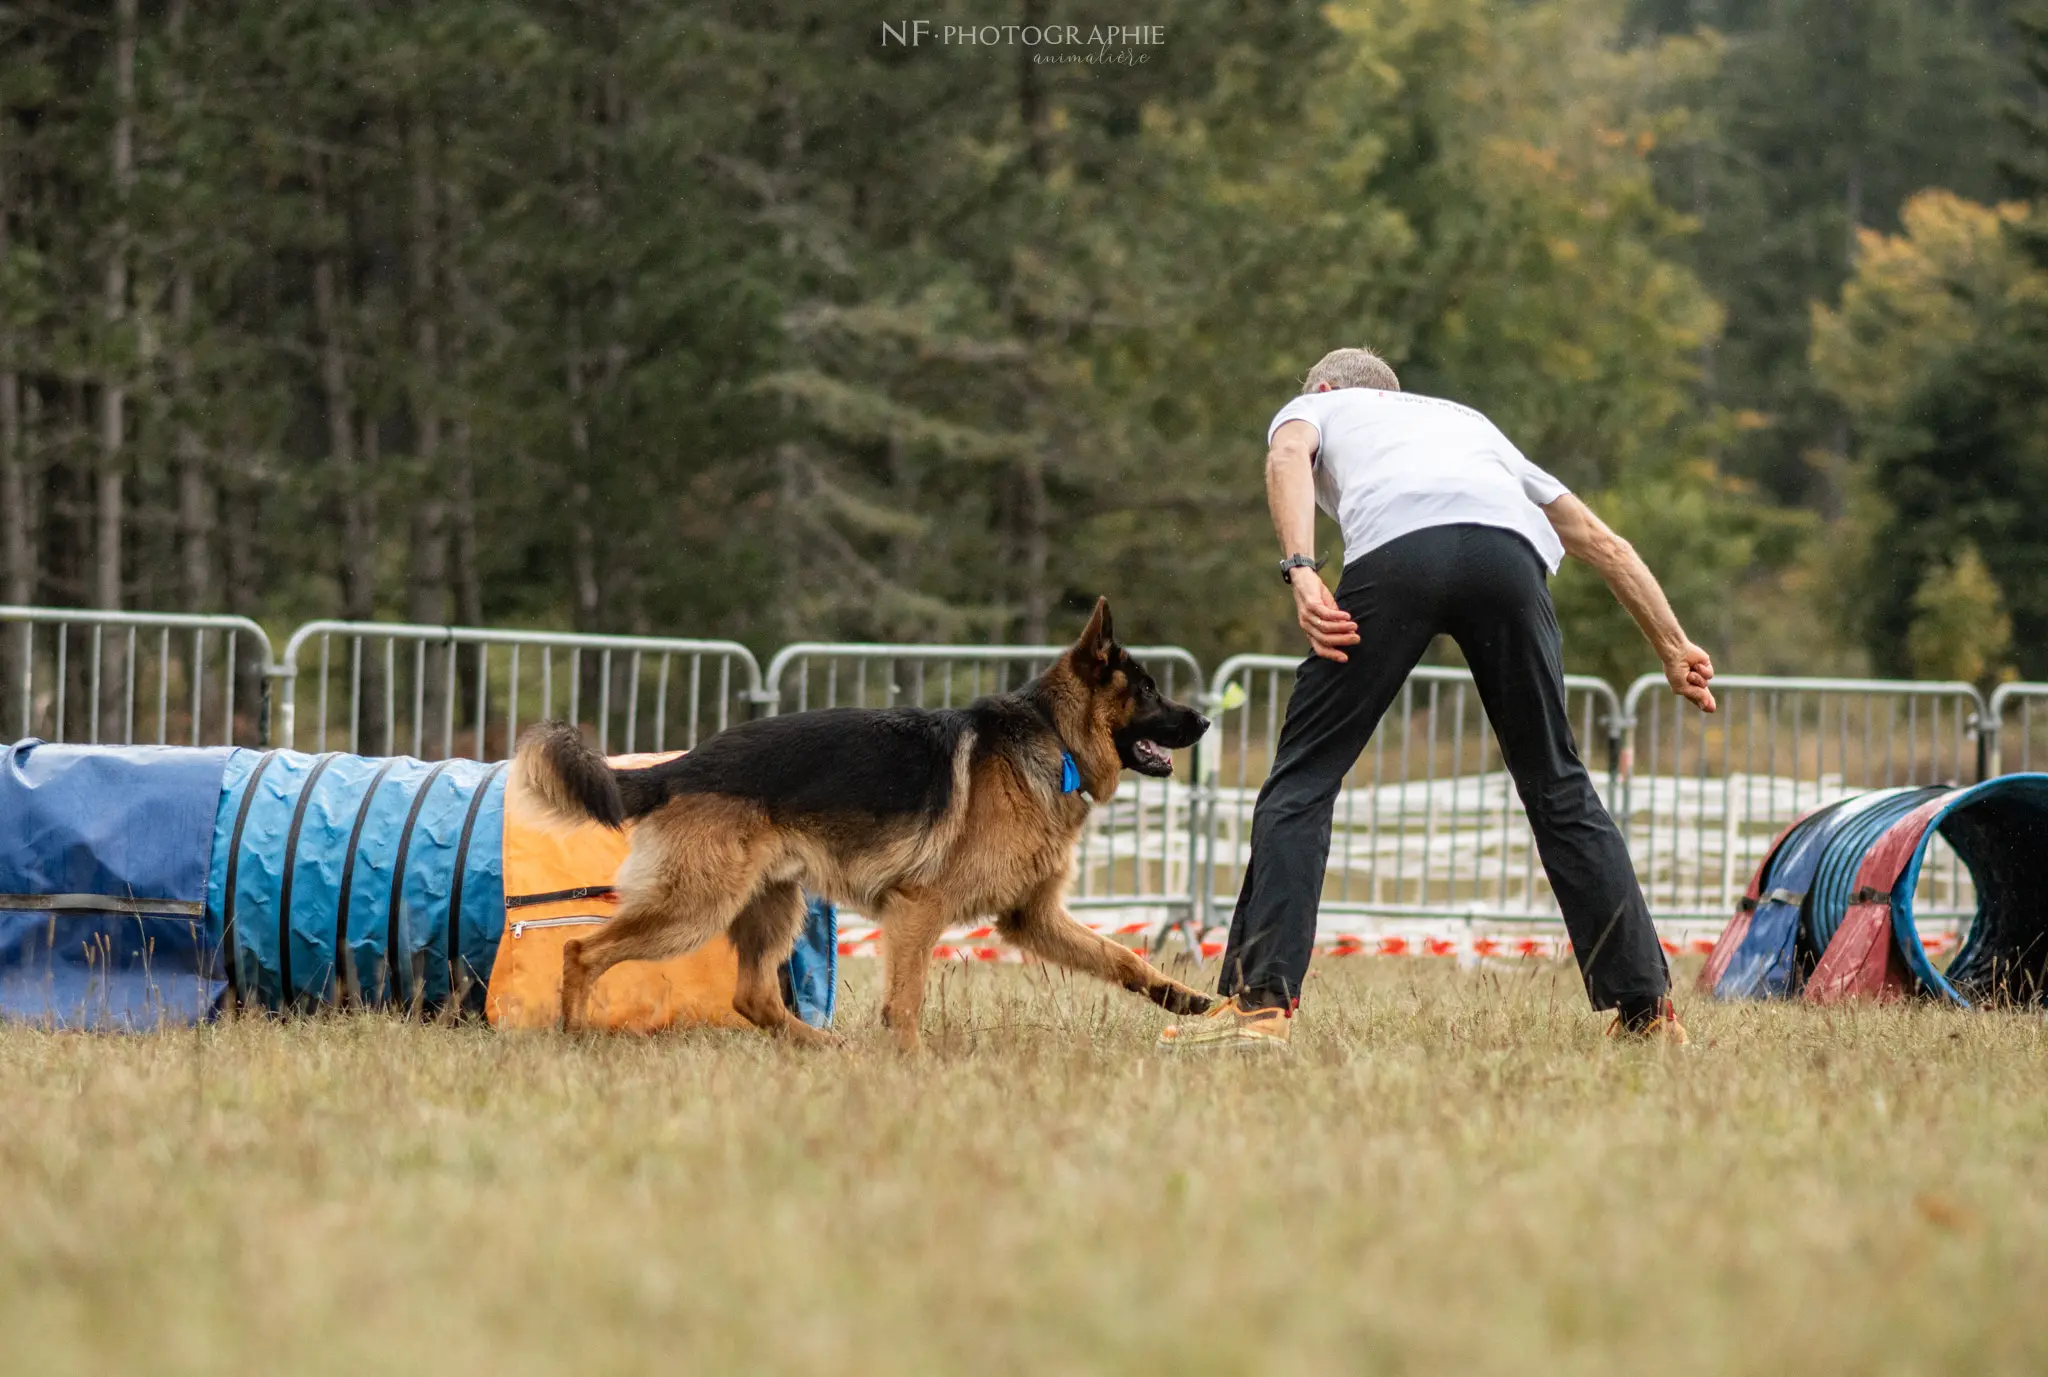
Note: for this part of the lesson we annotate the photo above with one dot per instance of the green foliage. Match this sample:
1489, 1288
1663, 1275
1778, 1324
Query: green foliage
733, 319
1819, 118
1960, 627
1938, 354
1966, 465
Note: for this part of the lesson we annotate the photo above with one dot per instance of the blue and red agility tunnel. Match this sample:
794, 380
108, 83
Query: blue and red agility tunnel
1829, 914
148, 885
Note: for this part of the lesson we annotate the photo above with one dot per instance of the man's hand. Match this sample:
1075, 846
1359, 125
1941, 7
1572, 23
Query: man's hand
1327, 625
1689, 670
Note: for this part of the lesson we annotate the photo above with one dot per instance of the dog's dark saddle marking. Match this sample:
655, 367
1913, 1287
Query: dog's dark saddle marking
882, 762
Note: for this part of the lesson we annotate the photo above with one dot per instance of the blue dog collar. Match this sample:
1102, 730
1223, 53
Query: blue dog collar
1070, 774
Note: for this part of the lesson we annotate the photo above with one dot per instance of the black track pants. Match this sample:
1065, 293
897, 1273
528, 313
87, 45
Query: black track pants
1484, 587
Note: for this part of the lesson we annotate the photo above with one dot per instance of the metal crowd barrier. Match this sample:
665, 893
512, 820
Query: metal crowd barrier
2010, 719
67, 674
1137, 853
1703, 796
1427, 823
439, 691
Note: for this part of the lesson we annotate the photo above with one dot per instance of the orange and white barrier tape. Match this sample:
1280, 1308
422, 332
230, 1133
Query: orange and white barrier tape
1408, 938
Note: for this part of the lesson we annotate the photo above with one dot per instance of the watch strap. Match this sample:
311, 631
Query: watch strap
1293, 562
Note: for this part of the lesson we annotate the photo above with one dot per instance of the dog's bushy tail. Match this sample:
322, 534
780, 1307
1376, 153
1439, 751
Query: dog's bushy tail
569, 780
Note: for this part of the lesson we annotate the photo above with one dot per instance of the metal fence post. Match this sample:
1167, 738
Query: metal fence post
287, 678
1199, 804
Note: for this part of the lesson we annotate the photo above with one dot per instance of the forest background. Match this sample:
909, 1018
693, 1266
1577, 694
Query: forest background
747, 319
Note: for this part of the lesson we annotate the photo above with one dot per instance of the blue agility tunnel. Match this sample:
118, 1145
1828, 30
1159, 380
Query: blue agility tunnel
1999, 830
1836, 917
326, 866
103, 884
1804, 893
145, 885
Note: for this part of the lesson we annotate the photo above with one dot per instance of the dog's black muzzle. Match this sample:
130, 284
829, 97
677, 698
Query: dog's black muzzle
1148, 743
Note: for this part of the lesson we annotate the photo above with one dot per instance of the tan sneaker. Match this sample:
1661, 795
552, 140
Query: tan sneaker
1227, 1027
1664, 1029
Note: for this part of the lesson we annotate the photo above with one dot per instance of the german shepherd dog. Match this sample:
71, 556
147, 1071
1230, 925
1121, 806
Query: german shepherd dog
920, 818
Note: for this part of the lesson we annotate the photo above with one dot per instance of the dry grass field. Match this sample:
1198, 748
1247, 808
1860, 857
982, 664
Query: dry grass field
1454, 1174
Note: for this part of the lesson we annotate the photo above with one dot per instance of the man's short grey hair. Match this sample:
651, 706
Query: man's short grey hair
1351, 368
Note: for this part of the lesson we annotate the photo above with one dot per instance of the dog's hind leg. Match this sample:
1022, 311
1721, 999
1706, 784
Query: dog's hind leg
912, 922
1043, 927
683, 884
765, 933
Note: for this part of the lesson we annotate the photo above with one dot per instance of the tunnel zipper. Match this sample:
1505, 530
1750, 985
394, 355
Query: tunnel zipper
519, 928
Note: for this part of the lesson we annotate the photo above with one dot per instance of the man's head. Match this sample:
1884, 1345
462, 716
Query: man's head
1350, 368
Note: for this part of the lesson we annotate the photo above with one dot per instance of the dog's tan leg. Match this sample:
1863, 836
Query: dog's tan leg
1044, 928
645, 928
765, 933
912, 922
683, 883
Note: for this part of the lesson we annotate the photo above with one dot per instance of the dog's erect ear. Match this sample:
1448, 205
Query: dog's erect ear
1091, 652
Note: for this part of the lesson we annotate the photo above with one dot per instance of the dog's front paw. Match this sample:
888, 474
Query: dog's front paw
1176, 998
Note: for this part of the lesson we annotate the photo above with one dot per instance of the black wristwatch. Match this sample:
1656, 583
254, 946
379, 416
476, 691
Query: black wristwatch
1293, 562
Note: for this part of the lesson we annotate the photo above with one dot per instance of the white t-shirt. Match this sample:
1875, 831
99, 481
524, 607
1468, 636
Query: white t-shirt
1393, 462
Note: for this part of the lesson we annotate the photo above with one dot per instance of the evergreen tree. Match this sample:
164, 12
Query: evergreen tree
735, 318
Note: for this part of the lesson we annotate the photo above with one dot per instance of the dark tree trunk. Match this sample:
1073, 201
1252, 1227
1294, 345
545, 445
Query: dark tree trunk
1037, 543
1034, 112
427, 582
582, 524
352, 478
17, 537
110, 497
468, 584
195, 481
17, 566
113, 390
1035, 511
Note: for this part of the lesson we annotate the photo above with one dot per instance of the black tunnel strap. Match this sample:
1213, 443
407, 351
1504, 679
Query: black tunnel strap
1746, 904
1869, 895
397, 914
476, 805
346, 973
561, 896
291, 867
102, 903
227, 903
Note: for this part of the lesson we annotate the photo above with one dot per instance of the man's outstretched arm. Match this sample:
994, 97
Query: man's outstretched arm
1687, 668
1291, 498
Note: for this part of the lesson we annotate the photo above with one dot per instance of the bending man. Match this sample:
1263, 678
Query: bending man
1448, 530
